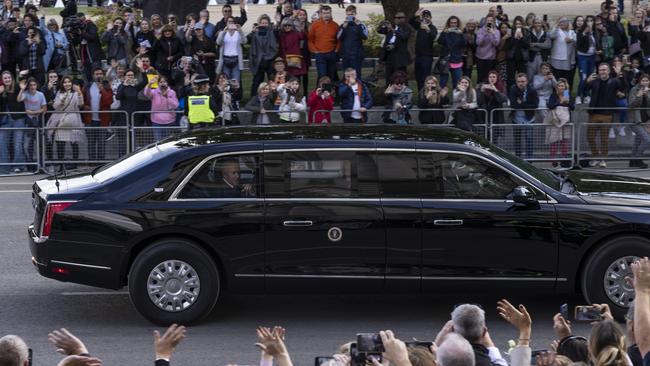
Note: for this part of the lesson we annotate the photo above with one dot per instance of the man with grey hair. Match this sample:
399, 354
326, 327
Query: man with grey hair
469, 321
13, 351
455, 351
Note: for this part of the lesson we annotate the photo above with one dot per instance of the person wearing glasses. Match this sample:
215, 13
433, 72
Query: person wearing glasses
226, 11
395, 53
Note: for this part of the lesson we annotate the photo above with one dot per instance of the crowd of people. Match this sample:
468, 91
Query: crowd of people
189, 72
463, 341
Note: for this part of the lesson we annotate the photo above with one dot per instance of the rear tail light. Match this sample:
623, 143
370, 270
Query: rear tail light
52, 208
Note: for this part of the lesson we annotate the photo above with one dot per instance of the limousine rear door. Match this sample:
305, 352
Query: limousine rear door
474, 237
324, 222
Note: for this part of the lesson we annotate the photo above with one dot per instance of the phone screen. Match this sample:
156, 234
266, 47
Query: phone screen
587, 314
564, 308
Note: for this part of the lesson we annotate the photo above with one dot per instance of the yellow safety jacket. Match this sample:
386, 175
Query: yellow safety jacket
199, 109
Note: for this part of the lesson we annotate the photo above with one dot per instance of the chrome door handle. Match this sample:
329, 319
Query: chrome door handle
297, 223
447, 222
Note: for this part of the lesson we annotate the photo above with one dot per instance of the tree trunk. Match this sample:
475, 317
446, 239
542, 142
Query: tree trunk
409, 7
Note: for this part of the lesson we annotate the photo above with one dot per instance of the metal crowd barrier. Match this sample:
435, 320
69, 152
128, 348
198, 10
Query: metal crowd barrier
19, 144
533, 141
86, 144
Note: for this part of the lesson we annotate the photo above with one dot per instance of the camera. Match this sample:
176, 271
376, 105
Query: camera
324, 361
326, 88
586, 313
534, 354
349, 18
72, 23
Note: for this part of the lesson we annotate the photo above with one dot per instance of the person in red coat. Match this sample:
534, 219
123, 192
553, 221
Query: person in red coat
321, 99
291, 51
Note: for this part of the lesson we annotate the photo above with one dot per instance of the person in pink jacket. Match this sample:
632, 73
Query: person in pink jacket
163, 104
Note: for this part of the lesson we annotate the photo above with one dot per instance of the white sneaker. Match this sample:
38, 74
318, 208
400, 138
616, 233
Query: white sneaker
578, 100
621, 131
593, 163
612, 133
587, 100
602, 164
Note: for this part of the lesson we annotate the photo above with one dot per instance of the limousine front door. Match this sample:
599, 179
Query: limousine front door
474, 237
324, 230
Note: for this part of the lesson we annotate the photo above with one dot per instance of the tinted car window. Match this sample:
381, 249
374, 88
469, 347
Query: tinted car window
398, 174
232, 176
458, 176
327, 174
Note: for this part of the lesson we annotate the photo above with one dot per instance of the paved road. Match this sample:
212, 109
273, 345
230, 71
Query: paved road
32, 306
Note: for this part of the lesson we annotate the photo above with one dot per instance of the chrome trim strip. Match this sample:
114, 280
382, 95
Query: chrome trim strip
80, 265
614, 181
243, 199
324, 199
34, 261
441, 278
535, 279
198, 166
174, 195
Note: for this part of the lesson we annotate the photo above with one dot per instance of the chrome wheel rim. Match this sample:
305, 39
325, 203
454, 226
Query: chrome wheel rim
617, 288
173, 285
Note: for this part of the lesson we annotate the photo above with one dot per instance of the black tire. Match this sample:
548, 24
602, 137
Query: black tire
180, 250
593, 274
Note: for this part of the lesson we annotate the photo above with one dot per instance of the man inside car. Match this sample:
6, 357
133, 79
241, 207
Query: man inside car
230, 185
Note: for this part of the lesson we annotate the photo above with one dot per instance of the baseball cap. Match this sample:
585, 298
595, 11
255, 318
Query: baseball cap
198, 26
201, 79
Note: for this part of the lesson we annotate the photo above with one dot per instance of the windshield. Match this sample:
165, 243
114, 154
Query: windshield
544, 176
134, 160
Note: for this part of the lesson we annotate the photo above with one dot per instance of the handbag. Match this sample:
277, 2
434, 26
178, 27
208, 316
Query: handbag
294, 61
442, 66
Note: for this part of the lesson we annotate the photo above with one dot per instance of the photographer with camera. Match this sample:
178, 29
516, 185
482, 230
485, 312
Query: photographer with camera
231, 41
30, 53
116, 39
90, 48
425, 37
264, 47
8, 58
182, 73
226, 11
202, 48
321, 99
640, 98
395, 53
352, 33
227, 93
488, 38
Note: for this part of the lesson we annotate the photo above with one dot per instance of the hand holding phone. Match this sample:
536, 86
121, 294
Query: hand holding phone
587, 314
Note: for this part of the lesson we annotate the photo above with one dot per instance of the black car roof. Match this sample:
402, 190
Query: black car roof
439, 133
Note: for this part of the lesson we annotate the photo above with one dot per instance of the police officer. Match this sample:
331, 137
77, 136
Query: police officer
201, 108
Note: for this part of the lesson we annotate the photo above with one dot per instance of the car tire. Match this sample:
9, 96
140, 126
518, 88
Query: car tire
180, 276
612, 259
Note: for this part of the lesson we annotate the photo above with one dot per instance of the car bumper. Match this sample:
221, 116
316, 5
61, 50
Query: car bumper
70, 268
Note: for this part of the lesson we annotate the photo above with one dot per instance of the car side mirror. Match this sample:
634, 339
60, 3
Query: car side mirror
524, 196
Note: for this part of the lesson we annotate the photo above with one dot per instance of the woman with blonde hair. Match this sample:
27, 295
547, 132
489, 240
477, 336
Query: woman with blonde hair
431, 96
465, 102
557, 117
9, 101
607, 345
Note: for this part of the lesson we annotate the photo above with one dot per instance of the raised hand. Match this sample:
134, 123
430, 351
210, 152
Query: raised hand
65, 342
165, 345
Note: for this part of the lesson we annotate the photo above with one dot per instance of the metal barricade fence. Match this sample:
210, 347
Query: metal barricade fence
534, 141
19, 143
145, 135
613, 136
70, 141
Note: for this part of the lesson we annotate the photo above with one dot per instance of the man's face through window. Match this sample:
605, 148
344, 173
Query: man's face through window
230, 173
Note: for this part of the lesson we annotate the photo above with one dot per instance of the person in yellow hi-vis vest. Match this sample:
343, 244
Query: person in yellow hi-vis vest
201, 107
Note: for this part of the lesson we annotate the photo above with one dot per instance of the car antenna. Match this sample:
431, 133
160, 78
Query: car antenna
56, 182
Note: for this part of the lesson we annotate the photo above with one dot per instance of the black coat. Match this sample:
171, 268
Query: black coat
165, 47
399, 56
424, 39
517, 100
609, 98
23, 55
429, 117
92, 50
453, 44
517, 49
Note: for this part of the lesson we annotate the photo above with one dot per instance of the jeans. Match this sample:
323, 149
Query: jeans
231, 72
521, 119
423, 66
7, 137
162, 131
641, 140
96, 142
622, 113
456, 74
326, 65
586, 67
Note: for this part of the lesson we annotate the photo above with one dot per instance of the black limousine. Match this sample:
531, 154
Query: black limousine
300, 208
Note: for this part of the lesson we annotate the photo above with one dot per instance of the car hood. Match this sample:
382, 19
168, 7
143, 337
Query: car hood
612, 189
